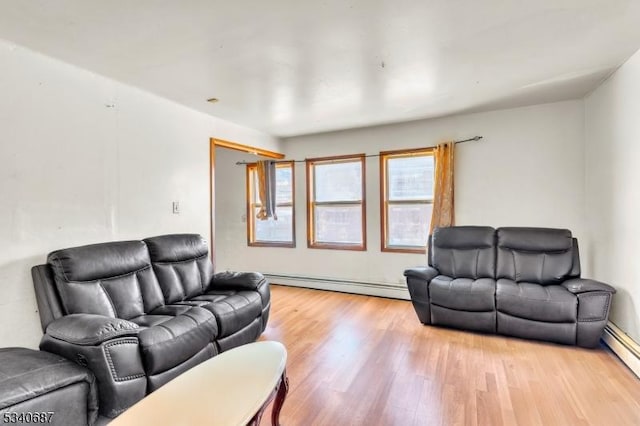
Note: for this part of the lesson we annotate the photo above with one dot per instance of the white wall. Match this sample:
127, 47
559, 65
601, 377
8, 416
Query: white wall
527, 171
74, 171
613, 190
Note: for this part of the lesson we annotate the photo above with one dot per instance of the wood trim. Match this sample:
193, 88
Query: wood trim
212, 200
333, 246
274, 245
384, 204
335, 158
310, 183
391, 249
250, 212
293, 203
401, 152
364, 201
309, 163
246, 148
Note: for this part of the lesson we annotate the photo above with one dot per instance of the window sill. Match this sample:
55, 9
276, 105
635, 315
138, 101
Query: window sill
329, 246
274, 244
404, 250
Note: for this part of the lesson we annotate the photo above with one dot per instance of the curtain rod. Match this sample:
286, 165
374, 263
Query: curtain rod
474, 139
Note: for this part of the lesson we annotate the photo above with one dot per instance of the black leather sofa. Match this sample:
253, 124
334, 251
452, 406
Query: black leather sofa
139, 313
522, 282
41, 388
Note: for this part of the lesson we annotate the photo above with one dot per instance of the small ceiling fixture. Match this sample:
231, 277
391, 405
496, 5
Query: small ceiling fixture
213, 100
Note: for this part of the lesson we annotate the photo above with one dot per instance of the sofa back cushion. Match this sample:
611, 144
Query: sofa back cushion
464, 251
181, 263
112, 279
535, 255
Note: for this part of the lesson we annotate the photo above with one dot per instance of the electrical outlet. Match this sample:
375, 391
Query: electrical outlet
176, 207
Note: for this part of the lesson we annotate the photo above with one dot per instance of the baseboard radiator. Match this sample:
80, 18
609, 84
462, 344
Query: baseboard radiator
623, 346
343, 286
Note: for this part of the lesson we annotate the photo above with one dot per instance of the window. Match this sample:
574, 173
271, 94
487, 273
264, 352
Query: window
406, 185
270, 232
336, 203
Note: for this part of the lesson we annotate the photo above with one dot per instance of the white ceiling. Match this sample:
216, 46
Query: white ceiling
291, 67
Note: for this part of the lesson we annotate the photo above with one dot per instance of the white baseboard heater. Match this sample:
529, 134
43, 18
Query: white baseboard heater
624, 346
344, 286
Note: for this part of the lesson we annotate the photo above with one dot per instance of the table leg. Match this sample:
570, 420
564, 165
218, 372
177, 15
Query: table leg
283, 389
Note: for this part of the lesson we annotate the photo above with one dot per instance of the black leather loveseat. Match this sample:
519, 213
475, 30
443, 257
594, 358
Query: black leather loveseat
521, 282
139, 313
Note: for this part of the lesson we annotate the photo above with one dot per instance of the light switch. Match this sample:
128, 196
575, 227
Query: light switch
176, 207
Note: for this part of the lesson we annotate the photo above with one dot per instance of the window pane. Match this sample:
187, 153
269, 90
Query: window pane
270, 230
338, 224
409, 224
410, 178
338, 181
284, 177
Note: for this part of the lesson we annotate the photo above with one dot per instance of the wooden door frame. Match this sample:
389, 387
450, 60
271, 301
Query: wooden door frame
213, 143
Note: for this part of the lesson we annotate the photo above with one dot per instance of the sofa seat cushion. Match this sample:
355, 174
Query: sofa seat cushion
149, 320
551, 303
192, 303
173, 309
174, 341
212, 296
559, 332
464, 294
233, 310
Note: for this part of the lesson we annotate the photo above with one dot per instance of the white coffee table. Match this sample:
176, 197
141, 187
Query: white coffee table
232, 388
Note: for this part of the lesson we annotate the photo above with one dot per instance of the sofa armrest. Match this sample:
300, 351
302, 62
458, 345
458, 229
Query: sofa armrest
242, 280
89, 329
109, 347
423, 273
418, 280
582, 285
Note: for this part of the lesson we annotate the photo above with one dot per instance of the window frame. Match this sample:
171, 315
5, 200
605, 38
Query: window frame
384, 202
251, 205
310, 163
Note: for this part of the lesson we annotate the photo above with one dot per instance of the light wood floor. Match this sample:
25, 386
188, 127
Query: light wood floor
358, 360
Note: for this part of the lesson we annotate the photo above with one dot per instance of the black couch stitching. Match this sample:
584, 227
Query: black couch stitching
112, 367
105, 278
605, 308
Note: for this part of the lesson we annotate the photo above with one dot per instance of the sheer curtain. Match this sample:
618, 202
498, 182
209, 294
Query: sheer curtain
443, 208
